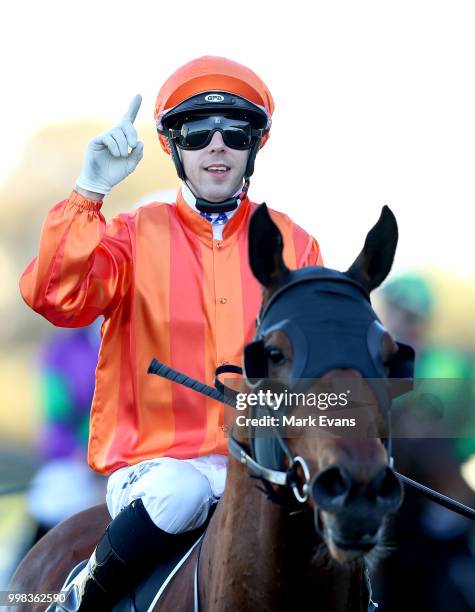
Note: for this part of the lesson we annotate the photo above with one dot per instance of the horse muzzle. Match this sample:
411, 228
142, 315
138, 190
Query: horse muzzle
352, 513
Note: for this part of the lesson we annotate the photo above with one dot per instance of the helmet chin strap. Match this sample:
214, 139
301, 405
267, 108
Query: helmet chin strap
225, 205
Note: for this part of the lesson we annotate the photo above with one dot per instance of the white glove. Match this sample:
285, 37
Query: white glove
108, 160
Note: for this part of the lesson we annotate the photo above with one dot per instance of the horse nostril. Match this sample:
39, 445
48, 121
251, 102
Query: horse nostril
388, 488
330, 488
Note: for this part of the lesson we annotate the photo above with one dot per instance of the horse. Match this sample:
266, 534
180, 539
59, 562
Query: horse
300, 541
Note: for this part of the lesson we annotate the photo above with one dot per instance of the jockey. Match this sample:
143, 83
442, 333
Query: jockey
172, 282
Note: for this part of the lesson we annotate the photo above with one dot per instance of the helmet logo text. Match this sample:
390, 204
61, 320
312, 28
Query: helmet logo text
214, 98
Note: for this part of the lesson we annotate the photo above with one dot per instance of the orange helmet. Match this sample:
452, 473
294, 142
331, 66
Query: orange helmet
206, 75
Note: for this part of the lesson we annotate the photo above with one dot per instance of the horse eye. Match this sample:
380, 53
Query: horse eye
276, 356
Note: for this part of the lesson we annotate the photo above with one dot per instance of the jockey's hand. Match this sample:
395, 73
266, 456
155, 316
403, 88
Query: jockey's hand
108, 160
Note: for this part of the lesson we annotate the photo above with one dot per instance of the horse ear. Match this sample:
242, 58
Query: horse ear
374, 262
265, 249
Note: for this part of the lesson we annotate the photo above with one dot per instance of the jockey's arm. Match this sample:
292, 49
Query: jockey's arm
84, 266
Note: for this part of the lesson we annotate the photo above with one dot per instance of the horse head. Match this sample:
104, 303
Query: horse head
317, 327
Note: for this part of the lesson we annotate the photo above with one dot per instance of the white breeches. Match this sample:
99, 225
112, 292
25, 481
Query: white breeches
177, 493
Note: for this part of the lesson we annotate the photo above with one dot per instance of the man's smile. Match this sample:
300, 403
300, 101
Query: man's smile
217, 168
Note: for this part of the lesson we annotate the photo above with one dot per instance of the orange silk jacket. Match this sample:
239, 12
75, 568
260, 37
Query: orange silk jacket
166, 289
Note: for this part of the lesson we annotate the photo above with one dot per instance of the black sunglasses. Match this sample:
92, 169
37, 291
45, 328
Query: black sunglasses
194, 135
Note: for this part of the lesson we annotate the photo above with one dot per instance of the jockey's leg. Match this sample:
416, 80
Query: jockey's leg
153, 504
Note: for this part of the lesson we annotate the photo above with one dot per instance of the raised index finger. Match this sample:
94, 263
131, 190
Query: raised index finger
133, 109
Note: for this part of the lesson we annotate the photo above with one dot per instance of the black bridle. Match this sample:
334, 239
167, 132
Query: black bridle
286, 478
319, 316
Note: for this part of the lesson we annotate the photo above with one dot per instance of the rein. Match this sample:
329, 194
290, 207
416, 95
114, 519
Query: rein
281, 478
288, 478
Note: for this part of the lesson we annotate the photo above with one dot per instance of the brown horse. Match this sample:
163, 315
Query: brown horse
260, 553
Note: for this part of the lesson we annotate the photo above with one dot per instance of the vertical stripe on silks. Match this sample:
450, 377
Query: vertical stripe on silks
251, 289
105, 404
106, 443
302, 244
187, 336
229, 314
213, 408
152, 316
285, 226
229, 320
126, 425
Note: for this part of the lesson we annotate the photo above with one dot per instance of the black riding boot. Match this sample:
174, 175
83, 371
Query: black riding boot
130, 548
